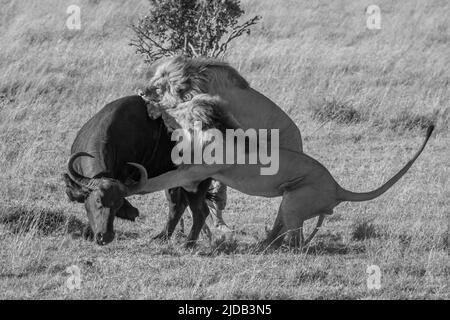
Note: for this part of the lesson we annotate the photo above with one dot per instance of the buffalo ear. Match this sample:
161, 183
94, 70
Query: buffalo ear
127, 211
74, 191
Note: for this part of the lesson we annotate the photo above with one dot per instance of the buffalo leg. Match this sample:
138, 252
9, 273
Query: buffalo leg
127, 211
200, 211
177, 205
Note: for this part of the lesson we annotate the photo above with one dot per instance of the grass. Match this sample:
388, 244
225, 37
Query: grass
364, 230
361, 98
408, 121
45, 221
337, 111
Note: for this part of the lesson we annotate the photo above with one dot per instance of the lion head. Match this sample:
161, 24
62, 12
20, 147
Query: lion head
179, 79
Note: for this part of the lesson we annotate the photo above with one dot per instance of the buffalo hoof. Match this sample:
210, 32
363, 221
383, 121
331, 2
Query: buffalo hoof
190, 244
162, 236
88, 234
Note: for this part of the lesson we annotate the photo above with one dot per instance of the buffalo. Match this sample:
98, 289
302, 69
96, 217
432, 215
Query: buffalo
119, 134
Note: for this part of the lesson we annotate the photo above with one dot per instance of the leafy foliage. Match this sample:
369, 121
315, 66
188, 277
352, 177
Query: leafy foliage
189, 27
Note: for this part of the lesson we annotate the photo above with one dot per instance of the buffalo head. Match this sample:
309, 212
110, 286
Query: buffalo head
104, 199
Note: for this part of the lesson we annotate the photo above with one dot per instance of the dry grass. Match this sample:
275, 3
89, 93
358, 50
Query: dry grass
360, 97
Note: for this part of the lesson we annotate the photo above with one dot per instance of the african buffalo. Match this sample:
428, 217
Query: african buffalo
120, 133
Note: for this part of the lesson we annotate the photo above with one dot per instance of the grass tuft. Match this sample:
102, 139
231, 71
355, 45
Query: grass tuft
225, 246
44, 221
446, 241
341, 112
364, 230
410, 121
305, 276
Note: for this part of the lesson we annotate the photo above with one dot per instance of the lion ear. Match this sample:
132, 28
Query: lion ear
74, 191
155, 66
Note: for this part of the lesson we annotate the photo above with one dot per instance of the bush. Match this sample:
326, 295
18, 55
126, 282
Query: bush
189, 27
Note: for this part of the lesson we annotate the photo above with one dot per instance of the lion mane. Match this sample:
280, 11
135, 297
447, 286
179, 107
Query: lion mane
205, 109
185, 77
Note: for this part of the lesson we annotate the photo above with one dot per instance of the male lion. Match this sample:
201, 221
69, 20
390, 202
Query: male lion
307, 187
179, 79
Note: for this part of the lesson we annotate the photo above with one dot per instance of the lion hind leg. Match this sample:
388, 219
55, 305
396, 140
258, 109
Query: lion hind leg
275, 236
291, 184
297, 206
316, 229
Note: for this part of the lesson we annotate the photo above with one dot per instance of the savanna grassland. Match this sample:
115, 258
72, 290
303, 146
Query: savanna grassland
362, 99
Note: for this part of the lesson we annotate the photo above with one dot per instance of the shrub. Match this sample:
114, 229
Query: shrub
189, 27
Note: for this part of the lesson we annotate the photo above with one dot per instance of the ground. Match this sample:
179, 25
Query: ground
361, 98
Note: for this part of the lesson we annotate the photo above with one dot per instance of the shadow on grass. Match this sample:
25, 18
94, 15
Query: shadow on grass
127, 235
333, 248
43, 221
342, 112
11, 275
325, 245
363, 230
410, 121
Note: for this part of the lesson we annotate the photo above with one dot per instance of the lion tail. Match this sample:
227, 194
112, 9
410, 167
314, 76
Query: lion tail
345, 195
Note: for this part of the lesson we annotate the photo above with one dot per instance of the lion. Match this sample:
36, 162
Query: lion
179, 79
307, 188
